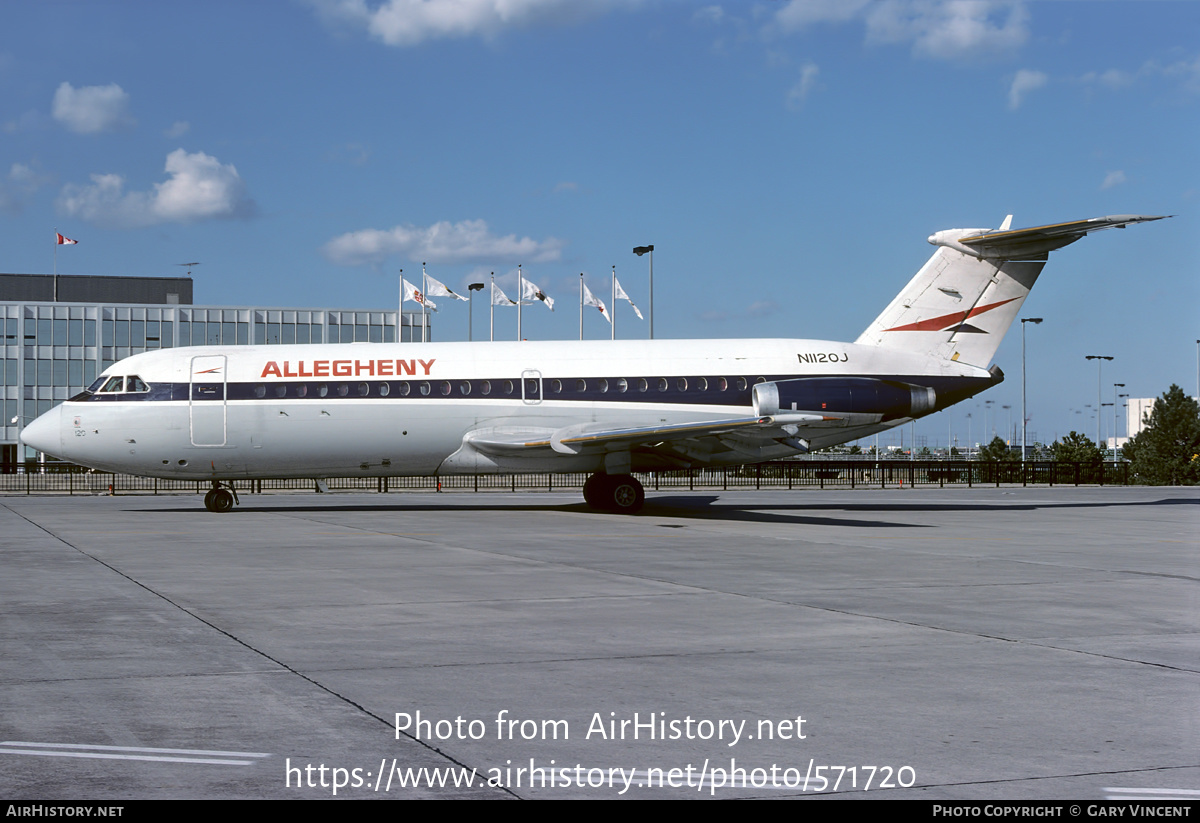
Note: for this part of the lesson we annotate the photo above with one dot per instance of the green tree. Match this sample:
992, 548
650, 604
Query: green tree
1076, 448
995, 452
1167, 450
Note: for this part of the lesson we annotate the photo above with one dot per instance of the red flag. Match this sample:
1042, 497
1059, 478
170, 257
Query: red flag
64, 241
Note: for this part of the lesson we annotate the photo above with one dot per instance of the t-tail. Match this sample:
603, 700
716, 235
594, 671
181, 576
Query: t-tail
961, 302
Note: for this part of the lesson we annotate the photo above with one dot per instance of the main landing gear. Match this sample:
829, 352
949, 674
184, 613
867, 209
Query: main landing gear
620, 493
219, 498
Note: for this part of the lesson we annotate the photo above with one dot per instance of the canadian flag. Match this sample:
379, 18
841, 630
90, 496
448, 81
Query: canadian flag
64, 241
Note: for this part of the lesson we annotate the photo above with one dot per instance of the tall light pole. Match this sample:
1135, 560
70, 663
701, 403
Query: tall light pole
1114, 417
471, 289
1099, 358
639, 251
1024, 417
1125, 403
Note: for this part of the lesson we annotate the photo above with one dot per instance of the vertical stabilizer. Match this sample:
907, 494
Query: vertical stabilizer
961, 302
957, 307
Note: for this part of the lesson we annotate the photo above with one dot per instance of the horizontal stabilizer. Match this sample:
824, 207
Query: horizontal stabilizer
1043, 239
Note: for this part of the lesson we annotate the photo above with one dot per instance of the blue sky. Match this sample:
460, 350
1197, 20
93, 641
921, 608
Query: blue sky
786, 159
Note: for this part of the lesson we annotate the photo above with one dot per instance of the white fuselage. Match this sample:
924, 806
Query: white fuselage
366, 409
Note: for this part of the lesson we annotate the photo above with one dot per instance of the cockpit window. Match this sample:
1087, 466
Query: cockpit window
95, 387
115, 385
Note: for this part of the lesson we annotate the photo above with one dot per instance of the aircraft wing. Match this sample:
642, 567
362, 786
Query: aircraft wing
1041, 239
706, 437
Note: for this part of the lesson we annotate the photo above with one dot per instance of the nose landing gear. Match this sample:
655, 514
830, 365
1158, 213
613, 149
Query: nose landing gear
619, 493
220, 498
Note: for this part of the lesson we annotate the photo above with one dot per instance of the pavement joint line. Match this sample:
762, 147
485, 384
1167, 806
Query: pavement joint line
243, 643
791, 604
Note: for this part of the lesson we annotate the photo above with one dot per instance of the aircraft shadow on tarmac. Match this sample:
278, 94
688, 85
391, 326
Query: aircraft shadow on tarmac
702, 507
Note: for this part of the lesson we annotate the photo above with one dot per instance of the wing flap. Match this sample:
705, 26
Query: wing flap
578, 439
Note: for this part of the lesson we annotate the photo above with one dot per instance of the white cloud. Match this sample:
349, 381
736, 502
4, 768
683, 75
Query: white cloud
1113, 178
178, 129
92, 109
469, 241
939, 29
951, 29
804, 86
29, 121
199, 188
1025, 81
798, 14
762, 308
409, 22
1113, 79
18, 186
1187, 70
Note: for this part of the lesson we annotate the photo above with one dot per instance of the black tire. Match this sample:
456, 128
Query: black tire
624, 494
595, 492
222, 501
208, 500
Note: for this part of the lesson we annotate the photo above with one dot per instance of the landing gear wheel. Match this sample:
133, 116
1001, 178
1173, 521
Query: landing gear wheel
625, 494
218, 500
594, 491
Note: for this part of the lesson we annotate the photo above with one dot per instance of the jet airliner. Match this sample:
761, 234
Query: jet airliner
220, 414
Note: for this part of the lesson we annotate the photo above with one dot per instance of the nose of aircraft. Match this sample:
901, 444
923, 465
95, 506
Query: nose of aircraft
45, 433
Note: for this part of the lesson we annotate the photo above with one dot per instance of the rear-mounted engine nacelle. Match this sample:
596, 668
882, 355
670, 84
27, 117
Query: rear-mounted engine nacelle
850, 395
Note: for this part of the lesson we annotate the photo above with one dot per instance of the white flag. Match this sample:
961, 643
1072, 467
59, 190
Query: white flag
531, 292
590, 299
412, 293
436, 288
499, 298
621, 295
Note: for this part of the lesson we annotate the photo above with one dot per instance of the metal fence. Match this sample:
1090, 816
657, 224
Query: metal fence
823, 474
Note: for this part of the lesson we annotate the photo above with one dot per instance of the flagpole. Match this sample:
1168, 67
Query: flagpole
520, 299
424, 291
400, 310
612, 321
581, 305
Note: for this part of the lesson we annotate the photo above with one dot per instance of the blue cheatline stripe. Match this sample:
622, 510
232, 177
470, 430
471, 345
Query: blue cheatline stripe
678, 390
